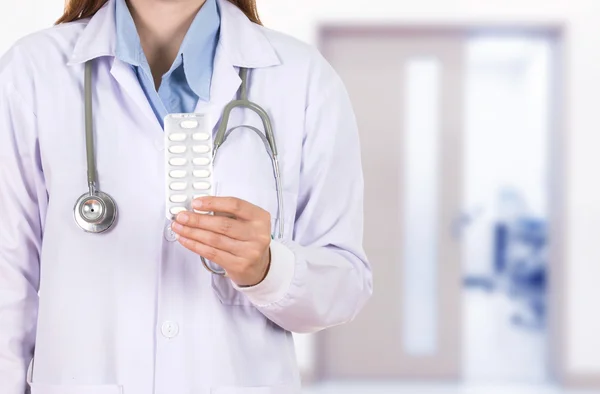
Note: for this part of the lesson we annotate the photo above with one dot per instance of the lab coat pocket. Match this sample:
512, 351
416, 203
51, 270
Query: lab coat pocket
263, 197
42, 388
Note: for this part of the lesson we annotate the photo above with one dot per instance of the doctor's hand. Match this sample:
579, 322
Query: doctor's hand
237, 237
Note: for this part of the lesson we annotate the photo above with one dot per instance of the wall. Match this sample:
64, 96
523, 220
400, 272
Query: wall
581, 18
21, 17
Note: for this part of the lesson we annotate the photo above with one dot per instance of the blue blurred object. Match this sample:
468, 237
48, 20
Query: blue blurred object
500, 246
527, 273
519, 268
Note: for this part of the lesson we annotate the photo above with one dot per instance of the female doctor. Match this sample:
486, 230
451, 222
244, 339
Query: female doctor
132, 310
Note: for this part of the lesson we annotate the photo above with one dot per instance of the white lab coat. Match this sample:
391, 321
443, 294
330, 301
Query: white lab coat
131, 311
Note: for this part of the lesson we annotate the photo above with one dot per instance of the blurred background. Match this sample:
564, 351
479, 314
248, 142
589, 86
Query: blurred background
480, 126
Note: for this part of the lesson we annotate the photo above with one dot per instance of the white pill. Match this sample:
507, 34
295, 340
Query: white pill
177, 137
201, 212
177, 149
177, 173
202, 161
177, 185
201, 173
189, 124
177, 161
201, 185
200, 136
178, 198
176, 210
201, 148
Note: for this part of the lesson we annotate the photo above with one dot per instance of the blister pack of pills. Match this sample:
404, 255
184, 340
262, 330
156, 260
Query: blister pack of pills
188, 161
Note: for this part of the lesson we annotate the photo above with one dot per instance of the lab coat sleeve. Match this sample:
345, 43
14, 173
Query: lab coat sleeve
22, 199
322, 277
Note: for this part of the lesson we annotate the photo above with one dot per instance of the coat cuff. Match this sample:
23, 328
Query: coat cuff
278, 280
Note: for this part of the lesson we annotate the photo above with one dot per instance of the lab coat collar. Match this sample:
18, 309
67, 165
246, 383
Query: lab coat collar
243, 42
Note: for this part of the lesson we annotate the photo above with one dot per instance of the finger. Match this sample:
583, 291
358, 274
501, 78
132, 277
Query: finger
217, 241
220, 257
232, 228
234, 206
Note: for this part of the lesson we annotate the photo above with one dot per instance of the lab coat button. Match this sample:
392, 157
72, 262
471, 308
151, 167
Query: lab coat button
170, 234
169, 329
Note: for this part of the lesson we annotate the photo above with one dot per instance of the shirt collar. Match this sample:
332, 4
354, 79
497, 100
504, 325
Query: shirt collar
197, 49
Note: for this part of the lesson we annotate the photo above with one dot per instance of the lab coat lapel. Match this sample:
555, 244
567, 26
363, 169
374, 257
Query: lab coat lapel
241, 44
130, 84
98, 40
224, 86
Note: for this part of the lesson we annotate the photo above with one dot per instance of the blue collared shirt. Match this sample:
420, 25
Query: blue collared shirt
188, 79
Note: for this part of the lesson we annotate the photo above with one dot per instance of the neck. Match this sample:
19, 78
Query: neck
162, 25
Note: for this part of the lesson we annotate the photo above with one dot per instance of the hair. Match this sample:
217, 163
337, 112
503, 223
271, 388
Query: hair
81, 9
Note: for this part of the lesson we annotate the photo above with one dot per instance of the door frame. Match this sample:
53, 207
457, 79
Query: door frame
557, 191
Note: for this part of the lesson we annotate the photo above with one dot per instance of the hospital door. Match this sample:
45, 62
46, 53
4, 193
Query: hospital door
404, 87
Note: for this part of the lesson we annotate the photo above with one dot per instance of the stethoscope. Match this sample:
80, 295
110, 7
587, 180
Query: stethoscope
96, 211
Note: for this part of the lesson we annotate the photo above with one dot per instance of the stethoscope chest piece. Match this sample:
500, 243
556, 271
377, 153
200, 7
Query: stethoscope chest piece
95, 212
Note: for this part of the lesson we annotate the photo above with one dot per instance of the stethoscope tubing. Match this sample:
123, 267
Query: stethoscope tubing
96, 211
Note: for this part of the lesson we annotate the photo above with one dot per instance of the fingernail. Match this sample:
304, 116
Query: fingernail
176, 226
183, 217
196, 203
